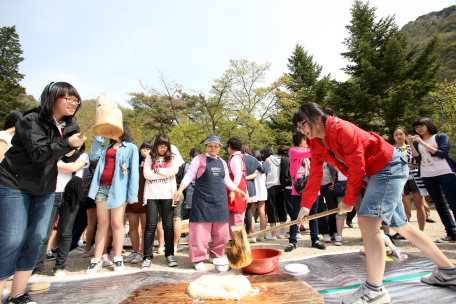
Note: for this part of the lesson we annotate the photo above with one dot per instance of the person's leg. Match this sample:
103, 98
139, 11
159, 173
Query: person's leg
253, 207
103, 224
407, 201
91, 222
133, 219
79, 226
39, 212
426, 209
160, 235
322, 221
287, 201
142, 218
220, 236
433, 187
177, 221
248, 218
448, 182
281, 210
296, 200
151, 225
39, 267
198, 238
235, 218
66, 222
167, 221
420, 213
331, 203
117, 225
262, 215
271, 210
313, 224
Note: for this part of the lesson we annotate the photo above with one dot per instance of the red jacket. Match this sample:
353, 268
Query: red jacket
363, 152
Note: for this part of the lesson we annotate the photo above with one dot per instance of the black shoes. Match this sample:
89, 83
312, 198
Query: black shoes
349, 224
171, 261
319, 245
429, 220
290, 247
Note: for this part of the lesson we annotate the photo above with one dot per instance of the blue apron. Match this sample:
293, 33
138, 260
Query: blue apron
209, 195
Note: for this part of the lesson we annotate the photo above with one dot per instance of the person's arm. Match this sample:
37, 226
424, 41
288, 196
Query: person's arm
296, 153
236, 169
95, 150
261, 167
148, 172
168, 172
78, 164
3, 149
252, 176
443, 143
414, 147
133, 183
35, 142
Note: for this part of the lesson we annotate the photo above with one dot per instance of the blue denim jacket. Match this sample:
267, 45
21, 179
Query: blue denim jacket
124, 187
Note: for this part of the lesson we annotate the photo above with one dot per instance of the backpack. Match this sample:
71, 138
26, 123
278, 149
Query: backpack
285, 177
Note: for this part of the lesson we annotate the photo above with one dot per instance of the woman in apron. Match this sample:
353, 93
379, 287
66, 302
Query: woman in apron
209, 215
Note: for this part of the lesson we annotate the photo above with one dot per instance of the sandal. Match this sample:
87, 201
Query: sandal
397, 236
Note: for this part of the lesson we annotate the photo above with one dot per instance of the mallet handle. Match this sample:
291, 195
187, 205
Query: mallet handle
84, 133
312, 217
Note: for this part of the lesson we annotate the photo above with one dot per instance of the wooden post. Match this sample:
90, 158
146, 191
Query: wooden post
238, 250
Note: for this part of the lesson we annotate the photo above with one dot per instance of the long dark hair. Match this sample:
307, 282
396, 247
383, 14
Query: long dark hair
432, 128
161, 139
256, 153
148, 145
50, 94
12, 118
245, 149
267, 151
126, 136
310, 111
282, 150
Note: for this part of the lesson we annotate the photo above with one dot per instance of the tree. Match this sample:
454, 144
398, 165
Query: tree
10, 57
388, 84
445, 111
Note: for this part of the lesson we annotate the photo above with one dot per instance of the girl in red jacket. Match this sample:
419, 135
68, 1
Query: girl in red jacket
356, 153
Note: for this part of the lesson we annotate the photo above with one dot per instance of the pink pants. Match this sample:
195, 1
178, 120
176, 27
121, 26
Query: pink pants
198, 238
236, 218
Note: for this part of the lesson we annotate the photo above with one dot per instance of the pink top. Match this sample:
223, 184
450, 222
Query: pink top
236, 165
193, 170
296, 155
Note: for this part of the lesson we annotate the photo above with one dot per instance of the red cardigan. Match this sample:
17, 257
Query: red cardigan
363, 152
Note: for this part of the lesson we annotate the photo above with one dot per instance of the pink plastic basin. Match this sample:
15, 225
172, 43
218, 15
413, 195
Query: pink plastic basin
264, 260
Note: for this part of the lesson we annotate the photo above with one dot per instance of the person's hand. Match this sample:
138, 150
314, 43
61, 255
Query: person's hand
75, 141
331, 187
177, 195
241, 194
344, 208
232, 196
302, 217
418, 139
144, 153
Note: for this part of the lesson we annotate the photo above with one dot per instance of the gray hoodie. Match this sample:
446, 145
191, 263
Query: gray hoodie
273, 171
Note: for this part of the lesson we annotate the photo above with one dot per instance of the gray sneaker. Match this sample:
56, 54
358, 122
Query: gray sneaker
146, 264
441, 278
364, 295
171, 261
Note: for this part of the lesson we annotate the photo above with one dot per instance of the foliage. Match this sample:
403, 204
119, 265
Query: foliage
10, 57
389, 83
442, 23
444, 99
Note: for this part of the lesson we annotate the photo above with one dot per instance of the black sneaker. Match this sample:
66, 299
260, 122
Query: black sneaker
319, 245
50, 256
20, 299
391, 238
349, 224
430, 220
55, 249
447, 239
171, 261
290, 247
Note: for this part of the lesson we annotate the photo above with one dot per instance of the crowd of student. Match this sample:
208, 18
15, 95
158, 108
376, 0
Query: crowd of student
49, 187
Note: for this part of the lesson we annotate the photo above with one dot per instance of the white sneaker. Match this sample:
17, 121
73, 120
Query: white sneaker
118, 264
106, 260
339, 240
326, 238
365, 295
160, 250
271, 237
138, 258
260, 238
94, 266
281, 236
33, 278
252, 240
146, 264
130, 257
80, 243
199, 266
178, 248
59, 273
299, 235
75, 252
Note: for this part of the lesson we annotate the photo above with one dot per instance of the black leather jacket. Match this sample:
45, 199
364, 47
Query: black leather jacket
31, 163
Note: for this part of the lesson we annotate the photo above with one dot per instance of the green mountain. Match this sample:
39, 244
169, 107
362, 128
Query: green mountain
442, 23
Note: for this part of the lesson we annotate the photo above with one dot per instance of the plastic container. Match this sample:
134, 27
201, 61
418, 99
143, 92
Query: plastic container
264, 260
222, 264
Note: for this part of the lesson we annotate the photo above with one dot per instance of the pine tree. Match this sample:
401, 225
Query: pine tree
389, 84
10, 57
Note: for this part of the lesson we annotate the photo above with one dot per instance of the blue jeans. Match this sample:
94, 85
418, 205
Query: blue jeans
434, 186
23, 223
383, 197
65, 231
288, 201
313, 224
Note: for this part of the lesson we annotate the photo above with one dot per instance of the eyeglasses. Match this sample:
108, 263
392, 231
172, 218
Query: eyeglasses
419, 126
301, 126
69, 100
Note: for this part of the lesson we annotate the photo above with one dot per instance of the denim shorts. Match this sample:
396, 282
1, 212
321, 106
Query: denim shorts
383, 197
102, 194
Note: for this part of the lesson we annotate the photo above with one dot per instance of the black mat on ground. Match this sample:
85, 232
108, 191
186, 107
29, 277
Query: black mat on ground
327, 272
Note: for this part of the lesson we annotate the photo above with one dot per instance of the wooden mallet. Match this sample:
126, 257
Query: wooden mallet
238, 250
108, 122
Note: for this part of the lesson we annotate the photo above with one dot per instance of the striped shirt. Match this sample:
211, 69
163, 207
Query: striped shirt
415, 171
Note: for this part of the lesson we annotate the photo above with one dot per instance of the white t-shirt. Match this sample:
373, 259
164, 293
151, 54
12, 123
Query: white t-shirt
260, 187
6, 137
432, 165
64, 177
159, 186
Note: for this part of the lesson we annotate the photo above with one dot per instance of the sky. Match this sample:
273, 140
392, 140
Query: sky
110, 46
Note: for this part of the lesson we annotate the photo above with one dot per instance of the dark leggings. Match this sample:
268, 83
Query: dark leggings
275, 206
167, 215
248, 218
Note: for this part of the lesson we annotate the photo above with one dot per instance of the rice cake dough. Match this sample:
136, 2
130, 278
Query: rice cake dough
227, 285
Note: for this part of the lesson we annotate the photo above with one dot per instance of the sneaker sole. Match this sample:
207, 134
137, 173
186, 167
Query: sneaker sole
437, 284
172, 265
